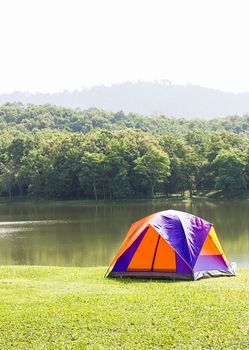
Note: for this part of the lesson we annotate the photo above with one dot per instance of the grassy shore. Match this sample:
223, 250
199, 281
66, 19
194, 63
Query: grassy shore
76, 308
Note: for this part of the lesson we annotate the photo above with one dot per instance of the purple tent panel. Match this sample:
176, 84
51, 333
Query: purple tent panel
210, 262
185, 232
181, 266
124, 260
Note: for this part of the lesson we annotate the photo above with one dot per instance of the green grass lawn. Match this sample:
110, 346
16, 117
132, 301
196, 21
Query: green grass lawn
76, 308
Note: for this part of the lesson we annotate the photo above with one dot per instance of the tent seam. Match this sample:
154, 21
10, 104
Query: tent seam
174, 249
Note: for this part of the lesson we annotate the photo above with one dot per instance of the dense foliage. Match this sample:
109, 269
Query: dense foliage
54, 152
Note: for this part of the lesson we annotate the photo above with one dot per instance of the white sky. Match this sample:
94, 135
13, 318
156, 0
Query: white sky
52, 45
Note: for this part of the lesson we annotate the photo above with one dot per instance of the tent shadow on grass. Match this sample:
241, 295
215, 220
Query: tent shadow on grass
134, 280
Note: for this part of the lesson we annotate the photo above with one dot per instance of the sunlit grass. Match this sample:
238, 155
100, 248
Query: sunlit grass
76, 308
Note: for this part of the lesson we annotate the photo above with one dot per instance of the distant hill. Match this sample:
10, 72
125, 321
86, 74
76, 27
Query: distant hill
145, 98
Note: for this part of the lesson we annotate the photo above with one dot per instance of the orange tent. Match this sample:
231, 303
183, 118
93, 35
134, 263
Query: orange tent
171, 244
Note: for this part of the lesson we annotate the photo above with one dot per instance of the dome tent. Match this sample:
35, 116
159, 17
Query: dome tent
171, 245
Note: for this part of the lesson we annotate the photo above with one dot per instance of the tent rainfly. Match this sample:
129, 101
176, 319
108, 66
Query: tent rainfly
171, 245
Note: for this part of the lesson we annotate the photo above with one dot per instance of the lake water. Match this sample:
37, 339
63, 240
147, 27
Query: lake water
84, 234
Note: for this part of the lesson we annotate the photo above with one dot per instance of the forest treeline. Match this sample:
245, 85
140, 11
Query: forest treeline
55, 152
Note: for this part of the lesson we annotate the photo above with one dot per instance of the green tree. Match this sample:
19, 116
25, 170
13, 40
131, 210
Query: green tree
154, 167
231, 170
7, 178
91, 170
116, 170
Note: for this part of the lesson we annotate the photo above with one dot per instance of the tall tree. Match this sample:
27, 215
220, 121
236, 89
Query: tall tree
154, 167
91, 171
231, 171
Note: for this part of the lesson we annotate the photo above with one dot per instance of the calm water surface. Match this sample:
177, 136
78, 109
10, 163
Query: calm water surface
83, 234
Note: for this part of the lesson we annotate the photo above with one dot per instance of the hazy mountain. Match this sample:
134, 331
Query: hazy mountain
145, 98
